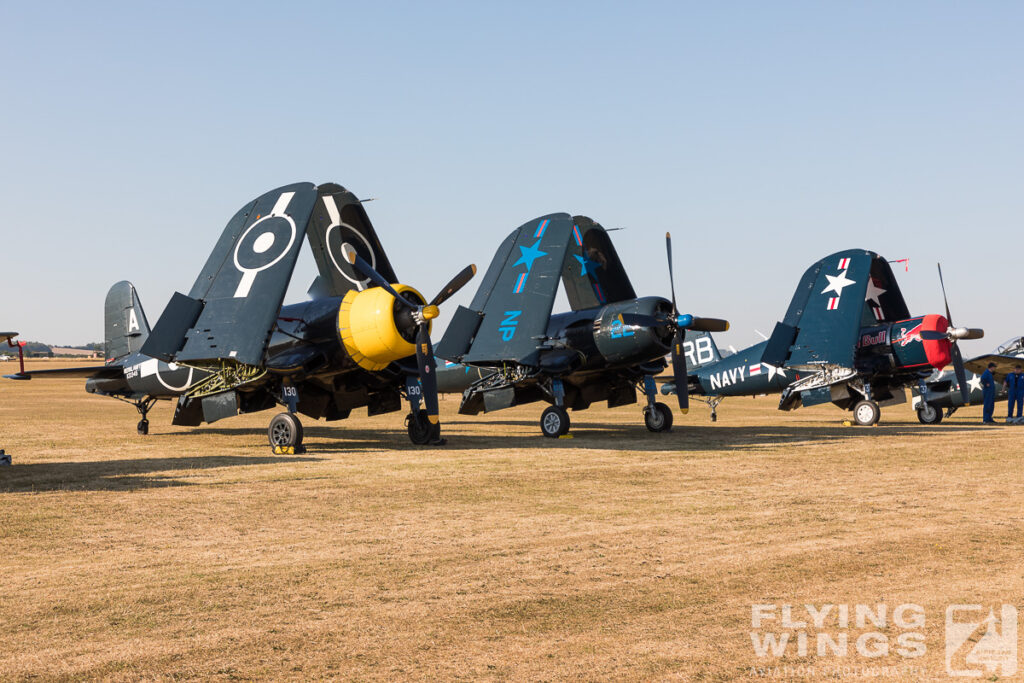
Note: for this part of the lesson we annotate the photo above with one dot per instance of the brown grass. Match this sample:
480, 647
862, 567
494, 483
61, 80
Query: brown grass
618, 554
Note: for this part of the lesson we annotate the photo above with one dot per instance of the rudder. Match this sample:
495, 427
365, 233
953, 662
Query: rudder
700, 349
125, 324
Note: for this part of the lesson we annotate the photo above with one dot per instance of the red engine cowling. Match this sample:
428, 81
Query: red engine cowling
912, 351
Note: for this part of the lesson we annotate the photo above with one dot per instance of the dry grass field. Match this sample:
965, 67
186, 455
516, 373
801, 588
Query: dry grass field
618, 554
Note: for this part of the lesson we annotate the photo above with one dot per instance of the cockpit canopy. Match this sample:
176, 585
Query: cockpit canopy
1011, 347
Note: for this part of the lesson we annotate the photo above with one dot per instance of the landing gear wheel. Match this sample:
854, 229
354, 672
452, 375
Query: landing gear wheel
658, 417
554, 422
143, 427
866, 413
929, 415
421, 432
285, 431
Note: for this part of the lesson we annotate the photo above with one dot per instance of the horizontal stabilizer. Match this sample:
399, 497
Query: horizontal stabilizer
94, 371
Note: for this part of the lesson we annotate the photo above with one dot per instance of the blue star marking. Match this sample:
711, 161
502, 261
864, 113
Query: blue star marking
585, 263
529, 255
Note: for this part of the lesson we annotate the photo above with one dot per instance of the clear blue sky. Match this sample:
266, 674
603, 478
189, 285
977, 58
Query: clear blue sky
764, 135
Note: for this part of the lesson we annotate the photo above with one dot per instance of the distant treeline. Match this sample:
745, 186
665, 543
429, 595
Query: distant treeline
38, 349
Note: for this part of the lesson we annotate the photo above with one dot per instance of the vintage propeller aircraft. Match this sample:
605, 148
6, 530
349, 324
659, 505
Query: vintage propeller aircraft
847, 338
229, 347
942, 391
609, 344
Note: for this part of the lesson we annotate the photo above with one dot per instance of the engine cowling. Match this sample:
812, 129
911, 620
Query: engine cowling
904, 341
619, 340
374, 330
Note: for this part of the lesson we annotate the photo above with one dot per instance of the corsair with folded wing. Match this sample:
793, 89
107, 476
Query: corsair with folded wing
607, 346
229, 347
848, 338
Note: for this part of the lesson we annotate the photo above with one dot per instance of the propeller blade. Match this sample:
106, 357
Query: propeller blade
428, 372
961, 373
967, 333
457, 283
932, 335
680, 372
708, 325
366, 269
671, 277
942, 284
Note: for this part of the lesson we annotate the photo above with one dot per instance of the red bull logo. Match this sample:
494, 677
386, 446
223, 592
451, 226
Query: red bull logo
907, 336
872, 339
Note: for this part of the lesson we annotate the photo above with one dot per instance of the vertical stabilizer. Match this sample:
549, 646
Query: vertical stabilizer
125, 324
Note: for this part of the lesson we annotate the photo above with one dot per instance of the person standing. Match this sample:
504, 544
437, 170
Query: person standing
988, 395
1014, 394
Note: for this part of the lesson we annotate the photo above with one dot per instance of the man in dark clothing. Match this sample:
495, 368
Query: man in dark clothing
988, 395
1014, 394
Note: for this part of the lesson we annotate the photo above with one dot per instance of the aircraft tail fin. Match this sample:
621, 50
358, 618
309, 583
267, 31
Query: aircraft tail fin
125, 324
700, 349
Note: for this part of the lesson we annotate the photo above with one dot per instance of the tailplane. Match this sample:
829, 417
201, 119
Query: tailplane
125, 322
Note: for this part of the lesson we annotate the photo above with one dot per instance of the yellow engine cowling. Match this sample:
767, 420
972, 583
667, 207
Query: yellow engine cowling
366, 325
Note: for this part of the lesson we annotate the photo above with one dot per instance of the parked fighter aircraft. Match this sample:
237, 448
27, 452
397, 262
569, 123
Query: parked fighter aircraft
942, 390
229, 347
847, 338
610, 343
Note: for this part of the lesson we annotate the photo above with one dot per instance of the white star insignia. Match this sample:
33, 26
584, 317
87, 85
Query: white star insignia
772, 371
974, 382
874, 291
836, 283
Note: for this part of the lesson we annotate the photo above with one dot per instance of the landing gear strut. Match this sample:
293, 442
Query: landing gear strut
657, 416
421, 431
143, 406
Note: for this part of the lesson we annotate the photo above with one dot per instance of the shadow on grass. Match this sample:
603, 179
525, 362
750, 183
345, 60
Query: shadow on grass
591, 435
119, 475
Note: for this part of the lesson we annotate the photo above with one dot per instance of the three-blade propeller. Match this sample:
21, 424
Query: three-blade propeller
421, 315
681, 323
954, 334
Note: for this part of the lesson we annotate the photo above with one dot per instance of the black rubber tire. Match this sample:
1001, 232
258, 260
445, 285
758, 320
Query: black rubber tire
285, 430
866, 413
143, 427
658, 418
421, 432
929, 415
554, 422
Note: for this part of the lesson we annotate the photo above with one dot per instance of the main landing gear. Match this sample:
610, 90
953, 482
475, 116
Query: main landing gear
554, 422
866, 413
422, 431
285, 434
928, 414
657, 416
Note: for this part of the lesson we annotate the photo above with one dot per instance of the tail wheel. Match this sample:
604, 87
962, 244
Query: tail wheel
421, 431
658, 417
554, 422
285, 431
866, 413
143, 427
928, 414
